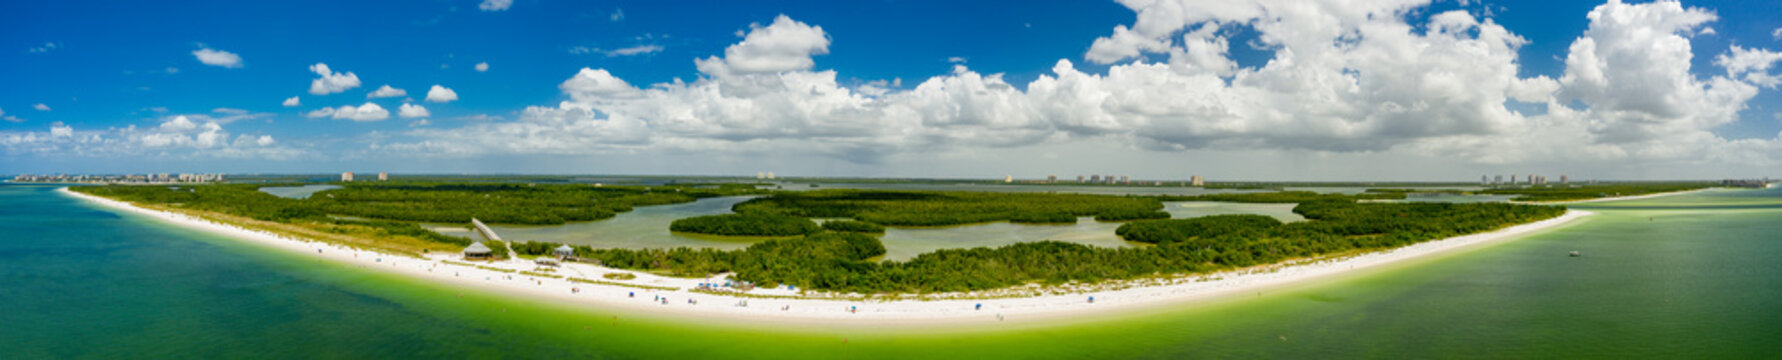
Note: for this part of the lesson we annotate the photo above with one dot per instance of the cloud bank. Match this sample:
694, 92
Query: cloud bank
1343, 79
177, 137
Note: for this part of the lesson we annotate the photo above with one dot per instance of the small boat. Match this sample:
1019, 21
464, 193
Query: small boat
1575, 253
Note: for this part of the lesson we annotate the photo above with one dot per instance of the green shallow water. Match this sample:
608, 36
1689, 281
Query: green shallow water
1654, 282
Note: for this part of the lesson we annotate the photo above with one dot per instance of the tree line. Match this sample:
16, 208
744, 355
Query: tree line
745, 224
933, 208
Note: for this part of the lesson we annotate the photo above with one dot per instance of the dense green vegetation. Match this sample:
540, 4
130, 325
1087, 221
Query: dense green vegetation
1337, 226
746, 224
1586, 192
533, 248
239, 200
1174, 231
406, 229
805, 260
499, 249
503, 203
1028, 217
247, 201
1282, 197
853, 226
384, 211
1127, 215
837, 261
929, 208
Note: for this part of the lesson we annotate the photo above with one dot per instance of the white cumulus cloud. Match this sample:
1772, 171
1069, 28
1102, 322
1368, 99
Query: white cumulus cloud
214, 57
1751, 65
784, 45
412, 111
495, 5
366, 112
330, 82
293, 102
41, 107
441, 94
386, 92
592, 84
482, 66
59, 130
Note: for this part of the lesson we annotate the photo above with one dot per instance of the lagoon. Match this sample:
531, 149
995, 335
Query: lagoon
647, 227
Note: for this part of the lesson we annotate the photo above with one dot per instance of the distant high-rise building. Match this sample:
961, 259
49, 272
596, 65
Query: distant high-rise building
1196, 180
1079, 178
346, 176
1051, 178
1109, 178
1497, 180
770, 175
1008, 178
1484, 180
1125, 180
759, 175
1563, 180
383, 176
1094, 178
1512, 179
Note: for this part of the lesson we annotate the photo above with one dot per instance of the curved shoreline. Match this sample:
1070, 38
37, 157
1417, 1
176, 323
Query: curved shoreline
1613, 198
762, 308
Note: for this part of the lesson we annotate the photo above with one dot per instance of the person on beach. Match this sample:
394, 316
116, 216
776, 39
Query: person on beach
1091, 299
979, 307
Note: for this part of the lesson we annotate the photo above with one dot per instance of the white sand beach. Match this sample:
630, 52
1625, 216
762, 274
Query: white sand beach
1108, 298
1613, 198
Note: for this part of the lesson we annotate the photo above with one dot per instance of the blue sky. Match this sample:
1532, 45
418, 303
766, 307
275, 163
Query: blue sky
837, 88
